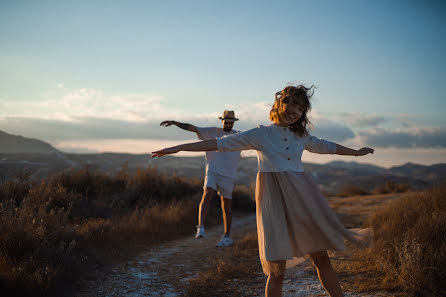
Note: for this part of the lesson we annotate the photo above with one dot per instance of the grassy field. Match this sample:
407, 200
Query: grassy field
54, 230
407, 259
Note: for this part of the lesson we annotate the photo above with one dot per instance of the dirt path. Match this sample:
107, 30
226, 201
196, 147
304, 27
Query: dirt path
164, 270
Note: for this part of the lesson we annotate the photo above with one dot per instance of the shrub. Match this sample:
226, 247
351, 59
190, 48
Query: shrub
53, 229
351, 190
243, 198
392, 187
410, 242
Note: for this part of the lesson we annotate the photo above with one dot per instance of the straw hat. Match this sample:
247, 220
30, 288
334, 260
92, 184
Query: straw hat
228, 115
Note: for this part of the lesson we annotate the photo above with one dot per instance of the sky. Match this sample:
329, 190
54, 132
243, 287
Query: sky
95, 76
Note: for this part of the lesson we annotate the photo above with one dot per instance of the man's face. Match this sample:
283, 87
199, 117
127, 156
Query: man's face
227, 125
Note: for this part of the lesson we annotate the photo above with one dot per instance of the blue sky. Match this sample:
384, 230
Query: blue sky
101, 75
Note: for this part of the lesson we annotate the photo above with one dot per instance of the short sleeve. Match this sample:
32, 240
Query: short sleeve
248, 140
206, 133
319, 145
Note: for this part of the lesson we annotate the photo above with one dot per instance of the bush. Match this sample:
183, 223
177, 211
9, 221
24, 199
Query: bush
392, 187
243, 198
53, 229
351, 190
410, 242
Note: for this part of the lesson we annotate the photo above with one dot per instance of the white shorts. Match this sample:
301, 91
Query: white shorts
222, 184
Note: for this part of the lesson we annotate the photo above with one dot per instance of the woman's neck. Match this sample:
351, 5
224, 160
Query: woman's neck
281, 124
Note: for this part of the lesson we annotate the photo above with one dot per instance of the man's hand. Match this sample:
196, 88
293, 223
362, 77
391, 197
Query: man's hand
167, 123
183, 126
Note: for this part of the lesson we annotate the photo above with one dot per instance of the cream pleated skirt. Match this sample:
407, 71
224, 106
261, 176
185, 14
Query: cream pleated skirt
294, 219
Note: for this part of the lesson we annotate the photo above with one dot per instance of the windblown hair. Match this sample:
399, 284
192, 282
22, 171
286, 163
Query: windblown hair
299, 95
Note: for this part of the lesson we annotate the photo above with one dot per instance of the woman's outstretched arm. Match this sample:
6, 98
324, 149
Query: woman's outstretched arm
342, 150
205, 145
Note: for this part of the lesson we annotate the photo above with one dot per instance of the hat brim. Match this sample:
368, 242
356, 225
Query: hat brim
228, 119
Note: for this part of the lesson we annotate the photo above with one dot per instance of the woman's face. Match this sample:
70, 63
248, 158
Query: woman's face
290, 113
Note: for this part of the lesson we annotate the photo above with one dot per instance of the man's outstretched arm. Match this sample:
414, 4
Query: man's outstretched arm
183, 126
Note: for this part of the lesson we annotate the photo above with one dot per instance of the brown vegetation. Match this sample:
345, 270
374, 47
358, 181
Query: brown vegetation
351, 190
388, 187
407, 259
235, 274
56, 228
392, 187
410, 246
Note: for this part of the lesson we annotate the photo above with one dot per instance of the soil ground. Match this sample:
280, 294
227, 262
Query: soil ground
165, 270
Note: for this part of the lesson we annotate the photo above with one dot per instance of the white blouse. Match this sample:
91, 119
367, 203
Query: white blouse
278, 148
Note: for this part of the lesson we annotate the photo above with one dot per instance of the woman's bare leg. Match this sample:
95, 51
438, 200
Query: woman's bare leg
327, 275
274, 283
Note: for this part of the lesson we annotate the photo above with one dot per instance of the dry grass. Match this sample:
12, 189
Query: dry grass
409, 250
410, 246
392, 187
388, 187
53, 230
408, 257
351, 190
236, 273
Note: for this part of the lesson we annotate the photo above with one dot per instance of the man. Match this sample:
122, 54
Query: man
221, 170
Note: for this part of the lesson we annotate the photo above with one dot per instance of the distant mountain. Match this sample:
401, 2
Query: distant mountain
20, 156
356, 166
432, 173
16, 144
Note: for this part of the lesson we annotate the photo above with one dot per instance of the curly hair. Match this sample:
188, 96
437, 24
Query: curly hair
299, 95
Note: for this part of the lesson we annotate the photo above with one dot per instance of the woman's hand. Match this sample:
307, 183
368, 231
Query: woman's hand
201, 146
167, 123
364, 151
166, 151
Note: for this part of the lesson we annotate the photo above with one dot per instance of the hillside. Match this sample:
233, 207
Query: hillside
22, 157
330, 177
18, 144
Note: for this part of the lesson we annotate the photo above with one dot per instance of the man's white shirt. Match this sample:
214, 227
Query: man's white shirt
222, 163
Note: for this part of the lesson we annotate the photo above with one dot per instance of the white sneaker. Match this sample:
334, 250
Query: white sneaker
225, 241
200, 232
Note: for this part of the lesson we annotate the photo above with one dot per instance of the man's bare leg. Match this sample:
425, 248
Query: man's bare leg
227, 214
205, 203
327, 275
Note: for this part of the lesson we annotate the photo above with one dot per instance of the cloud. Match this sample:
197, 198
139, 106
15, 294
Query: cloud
92, 103
405, 120
331, 130
408, 138
97, 128
89, 114
362, 120
134, 146
86, 104
67, 114
83, 129
89, 129
67, 104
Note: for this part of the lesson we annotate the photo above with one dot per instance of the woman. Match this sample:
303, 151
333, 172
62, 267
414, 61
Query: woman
293, 217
